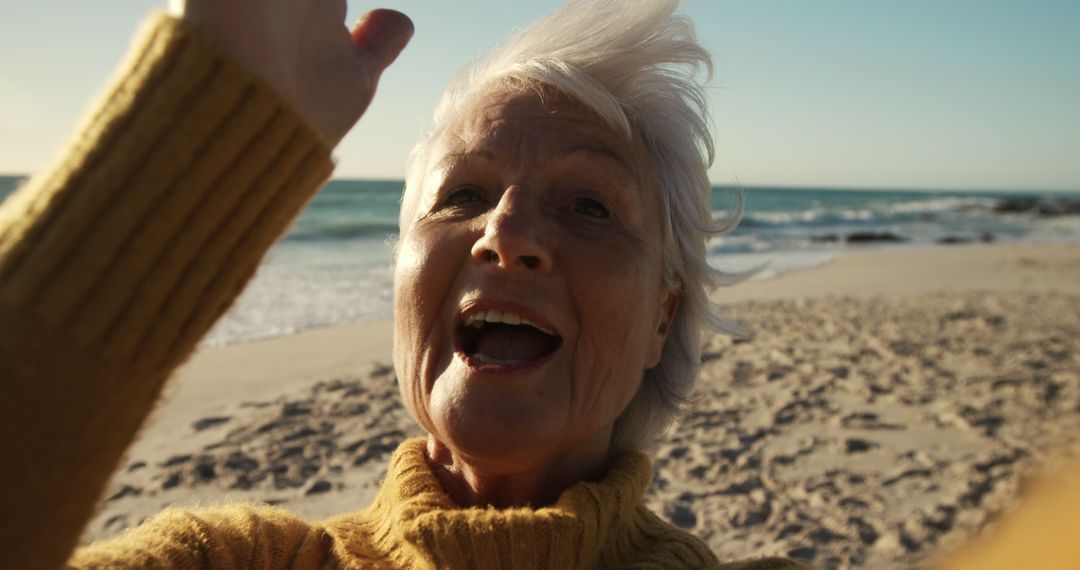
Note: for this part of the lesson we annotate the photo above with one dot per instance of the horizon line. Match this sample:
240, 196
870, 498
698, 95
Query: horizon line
765, 185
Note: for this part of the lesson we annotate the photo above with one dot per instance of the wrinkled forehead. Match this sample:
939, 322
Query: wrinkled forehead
528, 127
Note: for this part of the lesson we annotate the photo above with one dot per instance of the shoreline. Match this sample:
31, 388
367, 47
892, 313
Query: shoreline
907, 271
738, 291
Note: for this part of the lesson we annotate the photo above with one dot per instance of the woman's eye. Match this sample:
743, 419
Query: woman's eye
591, 208
463, 197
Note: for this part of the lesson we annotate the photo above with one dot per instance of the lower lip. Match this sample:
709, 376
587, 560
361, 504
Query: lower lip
504, 368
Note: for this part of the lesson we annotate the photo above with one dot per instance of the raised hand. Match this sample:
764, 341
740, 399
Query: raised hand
303, 50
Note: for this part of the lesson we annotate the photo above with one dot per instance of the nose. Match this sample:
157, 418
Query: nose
513, 236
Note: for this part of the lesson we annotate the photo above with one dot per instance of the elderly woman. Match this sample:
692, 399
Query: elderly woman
549, 291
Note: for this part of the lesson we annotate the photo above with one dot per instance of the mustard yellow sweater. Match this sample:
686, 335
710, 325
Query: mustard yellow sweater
113, 264
414, 524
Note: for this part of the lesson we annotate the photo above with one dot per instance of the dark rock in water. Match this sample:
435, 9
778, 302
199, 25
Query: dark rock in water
985, 237
1042, 206
874, 237
825, 238
1015, 205
209, 422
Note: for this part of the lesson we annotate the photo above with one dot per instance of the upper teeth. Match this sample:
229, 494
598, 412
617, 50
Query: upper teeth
478, 319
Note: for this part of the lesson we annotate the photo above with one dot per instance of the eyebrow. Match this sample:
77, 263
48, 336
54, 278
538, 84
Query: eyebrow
605, 151
453, 158
487, 154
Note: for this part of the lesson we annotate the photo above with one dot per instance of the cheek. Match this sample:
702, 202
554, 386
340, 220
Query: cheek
615, 296
425, 271
416, 311
617, 293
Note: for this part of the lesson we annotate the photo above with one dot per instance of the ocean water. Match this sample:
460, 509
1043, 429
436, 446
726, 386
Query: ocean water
334, 266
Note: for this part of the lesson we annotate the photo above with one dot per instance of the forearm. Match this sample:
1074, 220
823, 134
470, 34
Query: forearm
116, 261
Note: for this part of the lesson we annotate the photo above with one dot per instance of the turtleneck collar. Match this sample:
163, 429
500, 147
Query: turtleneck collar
415, 523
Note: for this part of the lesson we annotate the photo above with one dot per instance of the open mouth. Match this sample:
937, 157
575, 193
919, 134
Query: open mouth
496, 338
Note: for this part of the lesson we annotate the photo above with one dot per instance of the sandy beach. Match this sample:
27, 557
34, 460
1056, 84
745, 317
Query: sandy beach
877, 411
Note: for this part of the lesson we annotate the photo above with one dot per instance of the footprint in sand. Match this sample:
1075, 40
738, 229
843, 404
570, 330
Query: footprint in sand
319, 486
681, 515
126, 491
209, 422
855, 445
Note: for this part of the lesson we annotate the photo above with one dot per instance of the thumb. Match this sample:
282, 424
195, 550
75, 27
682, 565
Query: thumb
382, 34
175, 7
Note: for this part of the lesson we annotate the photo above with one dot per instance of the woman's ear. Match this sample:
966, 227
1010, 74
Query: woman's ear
669, 305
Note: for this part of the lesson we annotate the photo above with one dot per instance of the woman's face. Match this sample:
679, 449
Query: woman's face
528, 289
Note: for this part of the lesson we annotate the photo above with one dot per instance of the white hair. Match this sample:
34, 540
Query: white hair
636, 64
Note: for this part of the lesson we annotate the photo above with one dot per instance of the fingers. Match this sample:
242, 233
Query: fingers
175, 7
382, 34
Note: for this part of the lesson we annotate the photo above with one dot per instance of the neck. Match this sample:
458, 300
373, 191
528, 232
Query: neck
534, 484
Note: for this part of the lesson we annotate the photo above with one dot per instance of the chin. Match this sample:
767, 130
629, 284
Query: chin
496, 432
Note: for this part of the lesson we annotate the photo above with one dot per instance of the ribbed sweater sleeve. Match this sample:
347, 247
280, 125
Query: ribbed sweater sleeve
232, 536
115, 262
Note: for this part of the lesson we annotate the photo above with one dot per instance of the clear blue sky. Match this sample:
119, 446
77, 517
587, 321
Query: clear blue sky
857, 93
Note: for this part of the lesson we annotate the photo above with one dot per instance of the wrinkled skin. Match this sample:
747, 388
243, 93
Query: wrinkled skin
540, 208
